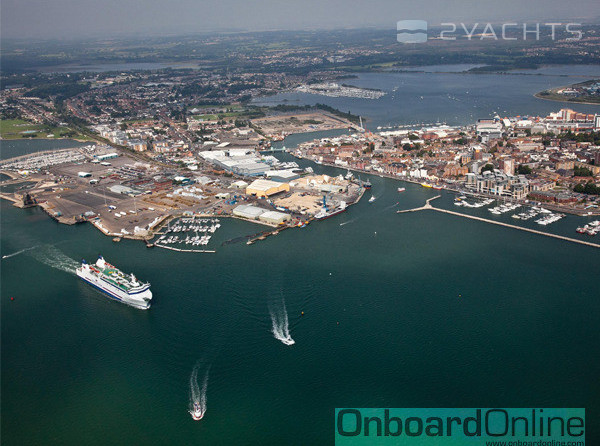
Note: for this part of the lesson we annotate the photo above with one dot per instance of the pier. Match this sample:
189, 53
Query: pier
186, 250
428, 206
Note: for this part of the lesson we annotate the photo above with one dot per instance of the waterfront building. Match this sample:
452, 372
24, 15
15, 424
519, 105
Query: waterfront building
274, 217
498, 183
265, 188
248, 211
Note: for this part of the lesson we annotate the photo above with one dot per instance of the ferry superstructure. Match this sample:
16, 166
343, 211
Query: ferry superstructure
118, 285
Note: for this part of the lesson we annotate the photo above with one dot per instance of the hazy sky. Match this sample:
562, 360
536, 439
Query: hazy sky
92, 18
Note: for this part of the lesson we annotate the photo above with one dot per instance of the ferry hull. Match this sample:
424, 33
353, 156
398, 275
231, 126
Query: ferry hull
139, 300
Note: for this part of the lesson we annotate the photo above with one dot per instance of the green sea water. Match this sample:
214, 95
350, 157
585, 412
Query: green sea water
400, 310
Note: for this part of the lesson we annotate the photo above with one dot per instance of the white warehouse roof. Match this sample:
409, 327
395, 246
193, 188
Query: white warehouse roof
248, 211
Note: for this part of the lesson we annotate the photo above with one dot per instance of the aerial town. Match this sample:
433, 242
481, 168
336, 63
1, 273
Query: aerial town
136, 175
236, 222
163, 144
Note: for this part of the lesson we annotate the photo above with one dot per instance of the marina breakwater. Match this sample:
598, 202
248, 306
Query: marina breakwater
428, 206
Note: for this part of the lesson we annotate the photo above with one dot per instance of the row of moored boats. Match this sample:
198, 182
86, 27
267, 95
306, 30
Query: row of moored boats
546, 218
591, 228
195, 240
183, 226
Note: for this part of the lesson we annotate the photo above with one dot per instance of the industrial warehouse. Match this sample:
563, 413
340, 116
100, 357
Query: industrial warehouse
249, 212
266, 188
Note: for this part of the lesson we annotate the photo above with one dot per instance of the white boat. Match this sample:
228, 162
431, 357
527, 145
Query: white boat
401, 189
197, 413
116, 284
372, 199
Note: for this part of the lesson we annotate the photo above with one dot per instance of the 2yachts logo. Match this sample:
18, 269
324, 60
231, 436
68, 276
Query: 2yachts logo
416, 31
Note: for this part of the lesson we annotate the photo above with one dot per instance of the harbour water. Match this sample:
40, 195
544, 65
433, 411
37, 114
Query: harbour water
400, 310
385, 310
11, 148
445, 94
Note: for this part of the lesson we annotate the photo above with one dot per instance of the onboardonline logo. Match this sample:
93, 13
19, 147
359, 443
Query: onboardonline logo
416, 31
458, 426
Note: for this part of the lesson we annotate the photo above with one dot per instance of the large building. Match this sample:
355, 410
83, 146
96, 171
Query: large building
498, 183
240, 161
255, 213
137, 145
266, 188
274, 217
508, 166
248, 211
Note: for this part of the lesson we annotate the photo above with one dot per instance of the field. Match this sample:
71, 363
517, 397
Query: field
18, 128
216, 117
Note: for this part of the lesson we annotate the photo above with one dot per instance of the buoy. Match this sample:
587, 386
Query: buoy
460, 295
302, 313
12, 298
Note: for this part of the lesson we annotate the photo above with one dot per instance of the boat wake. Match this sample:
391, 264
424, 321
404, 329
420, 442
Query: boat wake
391, 206
197, 407
8, 256
349, 221
279, 319
55, 258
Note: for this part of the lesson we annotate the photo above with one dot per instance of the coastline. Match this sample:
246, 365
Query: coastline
451, 189
43, 138
537, 96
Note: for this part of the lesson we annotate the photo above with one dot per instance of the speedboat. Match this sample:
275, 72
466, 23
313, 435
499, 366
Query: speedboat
372, 199
197, 413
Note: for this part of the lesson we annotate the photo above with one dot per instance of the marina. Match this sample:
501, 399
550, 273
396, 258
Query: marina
504, 208
549, 218
527, 215
591, 228
428, 206
189, 231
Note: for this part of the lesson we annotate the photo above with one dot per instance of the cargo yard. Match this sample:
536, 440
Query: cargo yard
127, 198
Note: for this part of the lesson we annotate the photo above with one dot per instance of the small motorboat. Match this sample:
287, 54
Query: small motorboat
401, 189
372, 199
197, 413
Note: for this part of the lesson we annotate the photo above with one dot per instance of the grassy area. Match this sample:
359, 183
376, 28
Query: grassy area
18, 128
242, 113
219, 106
214, 117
